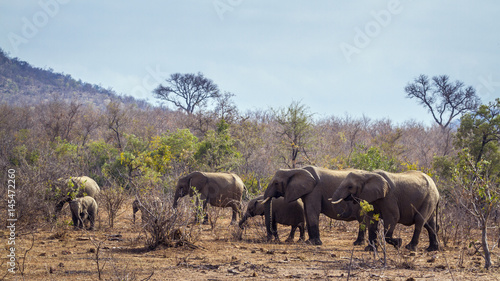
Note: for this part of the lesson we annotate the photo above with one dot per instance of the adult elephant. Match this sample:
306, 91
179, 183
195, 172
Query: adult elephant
314, 186
407, 198
74, 187
218, 189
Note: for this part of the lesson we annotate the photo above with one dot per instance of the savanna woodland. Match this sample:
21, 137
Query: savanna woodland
53, 127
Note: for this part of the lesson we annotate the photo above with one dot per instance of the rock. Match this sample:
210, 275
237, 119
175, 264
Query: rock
66, 252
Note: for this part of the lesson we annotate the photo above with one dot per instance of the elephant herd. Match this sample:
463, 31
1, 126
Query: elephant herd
297, 197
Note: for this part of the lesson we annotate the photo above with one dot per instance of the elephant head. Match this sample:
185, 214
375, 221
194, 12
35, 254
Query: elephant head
291, 184
361, 186
185, 185
254, 208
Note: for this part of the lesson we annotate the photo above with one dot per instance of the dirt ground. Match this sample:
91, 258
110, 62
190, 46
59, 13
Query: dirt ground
218, 254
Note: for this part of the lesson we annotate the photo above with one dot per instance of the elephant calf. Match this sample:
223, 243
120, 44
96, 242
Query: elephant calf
282, 212
83, 209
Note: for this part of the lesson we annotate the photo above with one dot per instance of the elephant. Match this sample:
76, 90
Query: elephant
284, 213
76, 187
407, 198
218, 189
144, 208
314, 186
83, 209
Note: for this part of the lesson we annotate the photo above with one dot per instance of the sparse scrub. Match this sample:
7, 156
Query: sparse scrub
144, 150
111, 200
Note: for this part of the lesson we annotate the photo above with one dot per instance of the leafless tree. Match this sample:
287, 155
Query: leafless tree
116, 119
187, 91
444, 99
58, 118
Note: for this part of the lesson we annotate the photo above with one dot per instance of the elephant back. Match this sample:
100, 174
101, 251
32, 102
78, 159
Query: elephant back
224, 188
86, 186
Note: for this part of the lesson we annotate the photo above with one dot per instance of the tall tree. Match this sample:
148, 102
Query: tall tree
187, 91
296, 123
479, 132
444, 99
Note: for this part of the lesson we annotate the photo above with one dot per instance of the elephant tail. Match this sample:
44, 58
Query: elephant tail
437, 217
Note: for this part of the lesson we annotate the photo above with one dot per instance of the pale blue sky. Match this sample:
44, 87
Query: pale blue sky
337, 57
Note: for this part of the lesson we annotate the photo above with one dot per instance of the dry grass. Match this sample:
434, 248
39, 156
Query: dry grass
223, 252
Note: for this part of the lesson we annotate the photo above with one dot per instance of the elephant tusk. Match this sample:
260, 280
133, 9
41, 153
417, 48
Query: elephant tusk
335, 202
265, 200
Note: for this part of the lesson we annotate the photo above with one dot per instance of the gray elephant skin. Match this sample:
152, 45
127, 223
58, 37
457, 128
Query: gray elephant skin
407, 198
314, 186
83, 209
282, 212
218, 189
76, 187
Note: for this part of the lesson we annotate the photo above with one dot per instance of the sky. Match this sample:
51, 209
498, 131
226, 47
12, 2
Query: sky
339, 58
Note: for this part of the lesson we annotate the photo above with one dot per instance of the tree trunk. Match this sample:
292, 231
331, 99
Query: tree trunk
486, 249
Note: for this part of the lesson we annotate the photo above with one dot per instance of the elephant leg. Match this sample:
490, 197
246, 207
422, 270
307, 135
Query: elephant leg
76, 220
292, 234
275, 230
302, 232
389, 227
361, 235
197, 210
236, 211
432, 230
312, 219
372, 237
91, 218
205, 219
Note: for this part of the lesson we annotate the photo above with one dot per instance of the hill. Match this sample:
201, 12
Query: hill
24, 84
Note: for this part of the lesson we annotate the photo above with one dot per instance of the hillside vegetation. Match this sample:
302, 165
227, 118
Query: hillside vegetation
23, 84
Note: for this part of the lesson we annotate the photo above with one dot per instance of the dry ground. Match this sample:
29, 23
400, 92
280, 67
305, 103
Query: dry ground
65, 254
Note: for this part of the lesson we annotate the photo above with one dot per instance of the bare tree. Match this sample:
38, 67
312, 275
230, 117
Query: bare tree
89, 123
444, 99
187, 91
116, 119
58, 118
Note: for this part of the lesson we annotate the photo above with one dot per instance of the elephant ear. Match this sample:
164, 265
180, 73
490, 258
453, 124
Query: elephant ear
198, 180
375, 187
300, 182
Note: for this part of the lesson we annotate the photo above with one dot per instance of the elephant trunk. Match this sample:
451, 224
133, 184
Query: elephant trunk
268, 214
243, 220
176, 198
